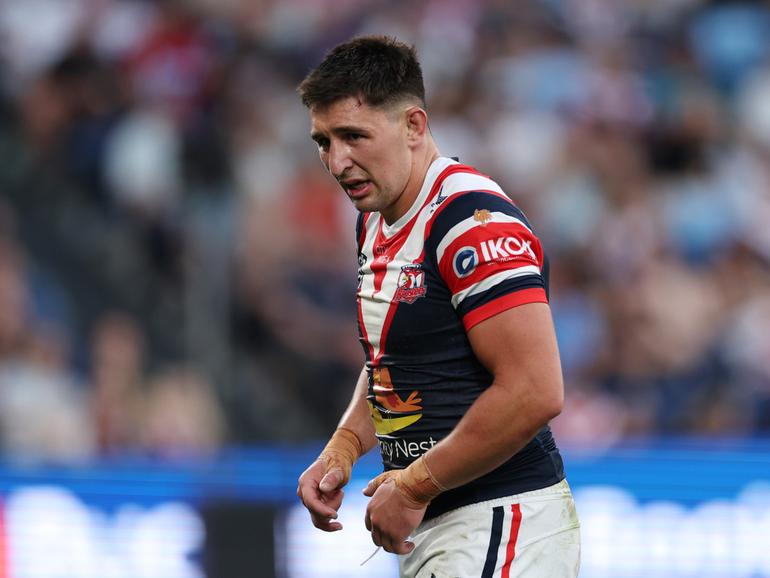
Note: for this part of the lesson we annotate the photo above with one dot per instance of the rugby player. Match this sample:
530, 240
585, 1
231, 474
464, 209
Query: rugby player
462, 371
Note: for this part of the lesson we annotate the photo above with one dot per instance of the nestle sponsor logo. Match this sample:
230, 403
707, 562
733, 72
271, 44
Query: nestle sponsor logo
395, 449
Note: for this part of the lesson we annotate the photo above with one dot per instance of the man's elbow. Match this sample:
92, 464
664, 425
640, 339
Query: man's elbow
551, 402
554, 408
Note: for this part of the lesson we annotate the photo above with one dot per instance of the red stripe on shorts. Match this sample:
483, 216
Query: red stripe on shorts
510, 549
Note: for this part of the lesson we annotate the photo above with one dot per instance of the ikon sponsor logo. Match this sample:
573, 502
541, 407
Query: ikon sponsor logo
465, 261
466, 258
503, 247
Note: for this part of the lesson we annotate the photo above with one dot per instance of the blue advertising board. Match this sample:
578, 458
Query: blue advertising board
668, 508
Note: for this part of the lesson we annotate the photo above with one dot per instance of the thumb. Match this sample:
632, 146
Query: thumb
370, 488
376, 483
331, 481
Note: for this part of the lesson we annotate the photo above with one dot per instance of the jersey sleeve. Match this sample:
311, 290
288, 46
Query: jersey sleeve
488, 256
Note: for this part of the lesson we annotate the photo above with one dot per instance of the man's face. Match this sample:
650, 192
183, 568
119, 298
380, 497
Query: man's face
367, 149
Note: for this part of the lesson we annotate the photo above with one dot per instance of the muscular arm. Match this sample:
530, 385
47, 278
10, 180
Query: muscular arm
357, 417
518, 347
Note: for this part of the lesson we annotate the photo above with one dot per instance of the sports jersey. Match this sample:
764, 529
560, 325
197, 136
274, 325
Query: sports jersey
462, 253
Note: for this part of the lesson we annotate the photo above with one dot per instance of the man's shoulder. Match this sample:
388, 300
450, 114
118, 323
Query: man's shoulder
459, 185
471, 207
459, 179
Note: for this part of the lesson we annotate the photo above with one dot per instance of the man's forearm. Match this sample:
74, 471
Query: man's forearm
495, 428
518, 347
353, 437
357, 417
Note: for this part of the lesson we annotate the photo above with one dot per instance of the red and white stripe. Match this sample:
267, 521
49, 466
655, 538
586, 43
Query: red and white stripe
490, 270
512, 538
404, 244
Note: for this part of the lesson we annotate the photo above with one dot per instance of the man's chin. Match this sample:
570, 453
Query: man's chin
364, 205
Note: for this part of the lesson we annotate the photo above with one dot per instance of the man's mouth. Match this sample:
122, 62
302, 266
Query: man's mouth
357, 188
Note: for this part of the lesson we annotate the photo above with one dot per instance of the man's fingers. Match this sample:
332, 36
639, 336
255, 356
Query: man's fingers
387, 544
331, 481
325, 524
317, 506
403, 548
395, 546
391, 545
376, 537
372, 486
328, 525
321, 509
322, 495
333, 500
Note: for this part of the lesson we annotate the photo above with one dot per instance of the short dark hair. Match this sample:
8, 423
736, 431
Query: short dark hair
379, 69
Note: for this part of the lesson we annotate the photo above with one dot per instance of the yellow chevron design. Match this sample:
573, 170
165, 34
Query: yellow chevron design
388, 425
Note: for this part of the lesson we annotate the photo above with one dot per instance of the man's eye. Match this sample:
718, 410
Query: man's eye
323, 144
354, 136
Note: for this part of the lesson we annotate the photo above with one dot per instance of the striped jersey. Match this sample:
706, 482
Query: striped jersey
462, 253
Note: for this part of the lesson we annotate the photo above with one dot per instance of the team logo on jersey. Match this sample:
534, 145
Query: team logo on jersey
483, 216
411, 284
465, 261
389, 412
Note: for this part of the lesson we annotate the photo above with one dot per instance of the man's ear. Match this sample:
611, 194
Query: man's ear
416, 124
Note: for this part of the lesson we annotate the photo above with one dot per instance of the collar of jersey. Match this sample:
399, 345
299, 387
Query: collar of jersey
434, 170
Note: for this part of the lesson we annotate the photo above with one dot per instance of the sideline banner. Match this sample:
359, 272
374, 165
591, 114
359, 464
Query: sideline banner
669, 509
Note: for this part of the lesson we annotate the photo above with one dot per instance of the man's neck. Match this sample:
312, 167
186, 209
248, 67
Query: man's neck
422, 164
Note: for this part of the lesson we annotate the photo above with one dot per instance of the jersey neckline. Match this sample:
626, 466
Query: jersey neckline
434, 170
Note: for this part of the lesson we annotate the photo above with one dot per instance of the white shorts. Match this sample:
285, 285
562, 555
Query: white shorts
531, 535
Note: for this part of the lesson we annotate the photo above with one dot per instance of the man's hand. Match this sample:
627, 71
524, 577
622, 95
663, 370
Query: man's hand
320, 489
320, 486
391, 516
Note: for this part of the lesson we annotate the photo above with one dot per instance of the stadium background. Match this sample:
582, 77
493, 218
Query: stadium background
176, 272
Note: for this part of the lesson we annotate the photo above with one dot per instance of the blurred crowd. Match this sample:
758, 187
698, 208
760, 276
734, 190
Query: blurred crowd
177, 272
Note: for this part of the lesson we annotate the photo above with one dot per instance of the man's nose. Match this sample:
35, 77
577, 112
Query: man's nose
339, 159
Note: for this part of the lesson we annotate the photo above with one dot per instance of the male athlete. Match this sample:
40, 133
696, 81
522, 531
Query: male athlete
462, 370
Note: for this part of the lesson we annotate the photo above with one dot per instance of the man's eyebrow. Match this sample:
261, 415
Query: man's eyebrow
346, 129
338, 130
